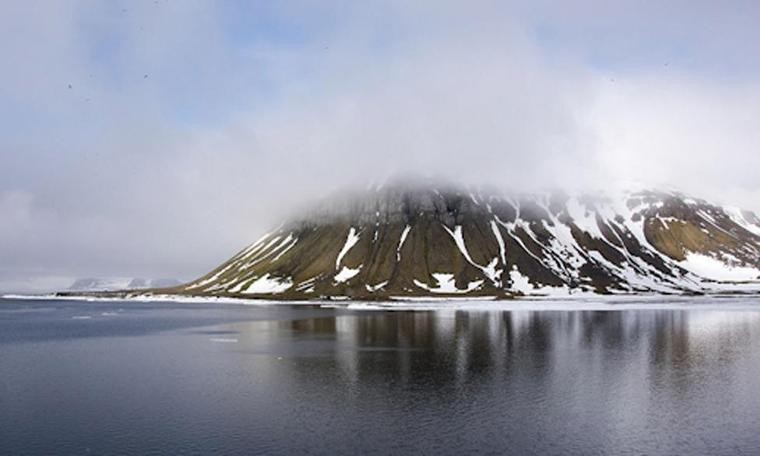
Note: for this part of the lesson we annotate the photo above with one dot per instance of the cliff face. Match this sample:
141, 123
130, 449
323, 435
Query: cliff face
418, 241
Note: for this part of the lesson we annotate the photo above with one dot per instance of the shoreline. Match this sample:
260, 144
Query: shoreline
715, 302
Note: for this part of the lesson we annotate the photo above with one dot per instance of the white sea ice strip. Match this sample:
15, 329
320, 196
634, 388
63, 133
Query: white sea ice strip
715, 269
401, 241
738, 216
268, 285
447, 284
351, 240
751, 287
346, 274
223, 340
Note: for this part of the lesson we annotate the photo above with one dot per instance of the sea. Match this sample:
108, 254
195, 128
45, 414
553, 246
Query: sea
650, 377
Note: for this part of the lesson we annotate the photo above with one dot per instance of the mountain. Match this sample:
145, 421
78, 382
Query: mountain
424, 240
139, 283
110, 284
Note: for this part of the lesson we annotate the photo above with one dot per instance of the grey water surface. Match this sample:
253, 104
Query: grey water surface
178, 378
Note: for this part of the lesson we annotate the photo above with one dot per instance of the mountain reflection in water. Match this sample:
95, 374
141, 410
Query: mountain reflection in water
463, 345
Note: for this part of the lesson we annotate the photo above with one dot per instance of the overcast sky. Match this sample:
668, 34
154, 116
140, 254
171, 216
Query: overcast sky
156, 138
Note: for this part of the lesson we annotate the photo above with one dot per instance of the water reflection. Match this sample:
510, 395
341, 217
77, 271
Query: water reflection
599, 380
464, 345
301, 379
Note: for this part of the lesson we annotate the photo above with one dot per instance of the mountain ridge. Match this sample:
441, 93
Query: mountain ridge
423, 240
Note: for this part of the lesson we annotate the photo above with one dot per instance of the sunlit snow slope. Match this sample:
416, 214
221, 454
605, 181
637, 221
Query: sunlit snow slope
423, 241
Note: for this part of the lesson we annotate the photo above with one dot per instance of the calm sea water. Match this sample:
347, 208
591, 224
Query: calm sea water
170, 379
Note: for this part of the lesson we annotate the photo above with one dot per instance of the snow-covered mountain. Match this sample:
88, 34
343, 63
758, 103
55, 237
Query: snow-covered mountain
423, 240
121, 283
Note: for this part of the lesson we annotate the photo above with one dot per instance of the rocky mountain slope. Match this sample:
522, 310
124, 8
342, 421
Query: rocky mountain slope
421, 240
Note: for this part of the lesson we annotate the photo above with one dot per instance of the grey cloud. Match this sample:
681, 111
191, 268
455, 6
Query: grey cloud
168, 175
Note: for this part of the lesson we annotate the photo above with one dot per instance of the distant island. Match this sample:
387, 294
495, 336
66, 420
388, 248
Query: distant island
421, 240
106, 284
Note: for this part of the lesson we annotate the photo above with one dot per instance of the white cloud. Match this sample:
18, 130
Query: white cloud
167, 175
680, 131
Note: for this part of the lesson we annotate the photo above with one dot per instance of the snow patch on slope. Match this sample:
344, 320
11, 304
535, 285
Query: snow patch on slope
401, 241
351, 240
268, 285
378, 287
307, 286
289, 242
346, 274
584, 218
500, 240
446, 284
740, 218
490, 270
712, 268
521, 284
